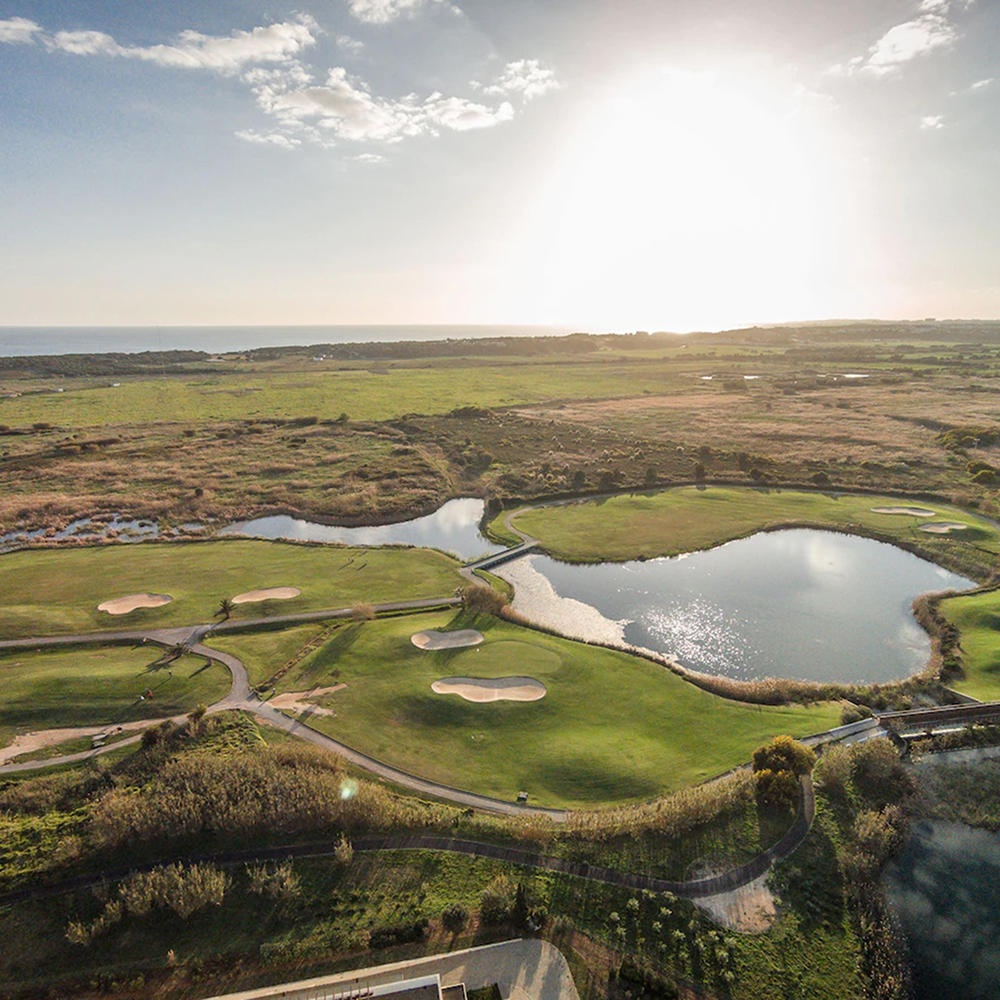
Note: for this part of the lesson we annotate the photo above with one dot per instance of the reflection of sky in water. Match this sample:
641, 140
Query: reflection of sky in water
794, 603
945, 889
453, 527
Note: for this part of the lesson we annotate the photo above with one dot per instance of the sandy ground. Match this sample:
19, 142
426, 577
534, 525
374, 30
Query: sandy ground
943, 527
913, 511
30, 742
748, 910
447, 640
123, 605
296, 700
495, 689
274, 594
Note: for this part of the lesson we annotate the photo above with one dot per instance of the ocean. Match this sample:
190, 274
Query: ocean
19, 341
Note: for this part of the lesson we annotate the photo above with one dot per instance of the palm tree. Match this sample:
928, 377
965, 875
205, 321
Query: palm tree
225, 609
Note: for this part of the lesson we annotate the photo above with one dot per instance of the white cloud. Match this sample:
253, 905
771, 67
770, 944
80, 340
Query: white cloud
384, 11
932, 121
18, 31
269, 139
226, 54
526, 78
459, 114
350, 46
929, 31
344, 107
369, 158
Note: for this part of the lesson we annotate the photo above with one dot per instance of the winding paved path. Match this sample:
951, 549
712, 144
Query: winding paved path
695, 889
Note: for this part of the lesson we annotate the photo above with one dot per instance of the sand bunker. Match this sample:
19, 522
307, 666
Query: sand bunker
496, 689
274, 594
296, 700
943, 527
912, 511
447, 640
123, 605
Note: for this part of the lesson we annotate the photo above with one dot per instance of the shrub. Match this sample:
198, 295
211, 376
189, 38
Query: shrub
878, 773
454, 917
776, 788
854, 713
820, 478
497, 901
277, 881
481, 599
833, 770
784, 754
344, 851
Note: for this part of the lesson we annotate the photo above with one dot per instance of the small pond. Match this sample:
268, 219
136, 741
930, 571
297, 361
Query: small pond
454, 527
799, 603
945, 890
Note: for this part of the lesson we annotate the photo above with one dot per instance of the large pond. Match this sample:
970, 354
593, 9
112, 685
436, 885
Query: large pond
453, 527
945, 889
799, 603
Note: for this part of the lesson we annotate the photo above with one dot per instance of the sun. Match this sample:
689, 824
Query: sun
681, 201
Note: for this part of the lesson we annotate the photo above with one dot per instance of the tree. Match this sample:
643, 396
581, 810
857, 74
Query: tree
225, 609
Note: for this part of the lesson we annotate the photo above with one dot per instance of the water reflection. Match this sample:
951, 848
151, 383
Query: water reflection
454, 527
945, 889
798, 603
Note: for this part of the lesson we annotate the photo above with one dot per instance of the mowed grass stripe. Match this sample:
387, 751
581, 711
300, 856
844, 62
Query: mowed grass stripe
53, 689
612, 728
52, 591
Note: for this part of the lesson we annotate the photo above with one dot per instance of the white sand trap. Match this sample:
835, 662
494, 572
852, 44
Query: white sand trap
943, 527
912, 511
296, 700
447, 640
274, 594
123, 605
496, 689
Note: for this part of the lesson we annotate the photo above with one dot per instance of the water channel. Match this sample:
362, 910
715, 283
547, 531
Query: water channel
453, 527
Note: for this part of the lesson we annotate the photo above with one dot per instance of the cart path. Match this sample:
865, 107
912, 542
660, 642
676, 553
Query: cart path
695, 889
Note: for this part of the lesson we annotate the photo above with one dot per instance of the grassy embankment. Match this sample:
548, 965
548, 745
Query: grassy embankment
977, 618
93, 687
612, 728
688, 519
58, 591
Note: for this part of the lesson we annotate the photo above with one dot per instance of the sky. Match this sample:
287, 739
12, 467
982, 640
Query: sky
608, 165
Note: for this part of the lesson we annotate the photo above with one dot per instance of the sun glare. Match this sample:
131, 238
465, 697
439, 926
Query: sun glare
681, 202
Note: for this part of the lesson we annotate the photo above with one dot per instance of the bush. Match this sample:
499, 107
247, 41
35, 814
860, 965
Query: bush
497, 901
454, 917
820, 478
833, 771
278, 881
784, 754
878, 773
386, 937
481, 599
854, 713
776, 788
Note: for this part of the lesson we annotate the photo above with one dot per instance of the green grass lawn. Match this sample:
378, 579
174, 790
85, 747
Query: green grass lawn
612, 727
362, 394
668, 522
978, 619
264, 653
45, 592
53, 689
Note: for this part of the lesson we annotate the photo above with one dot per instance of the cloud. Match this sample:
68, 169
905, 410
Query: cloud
525, 78
269, 139
384, 11
345, 107
459, 114
350, 46
932, 121
267, 60
929, 31
226, 54
18, 31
